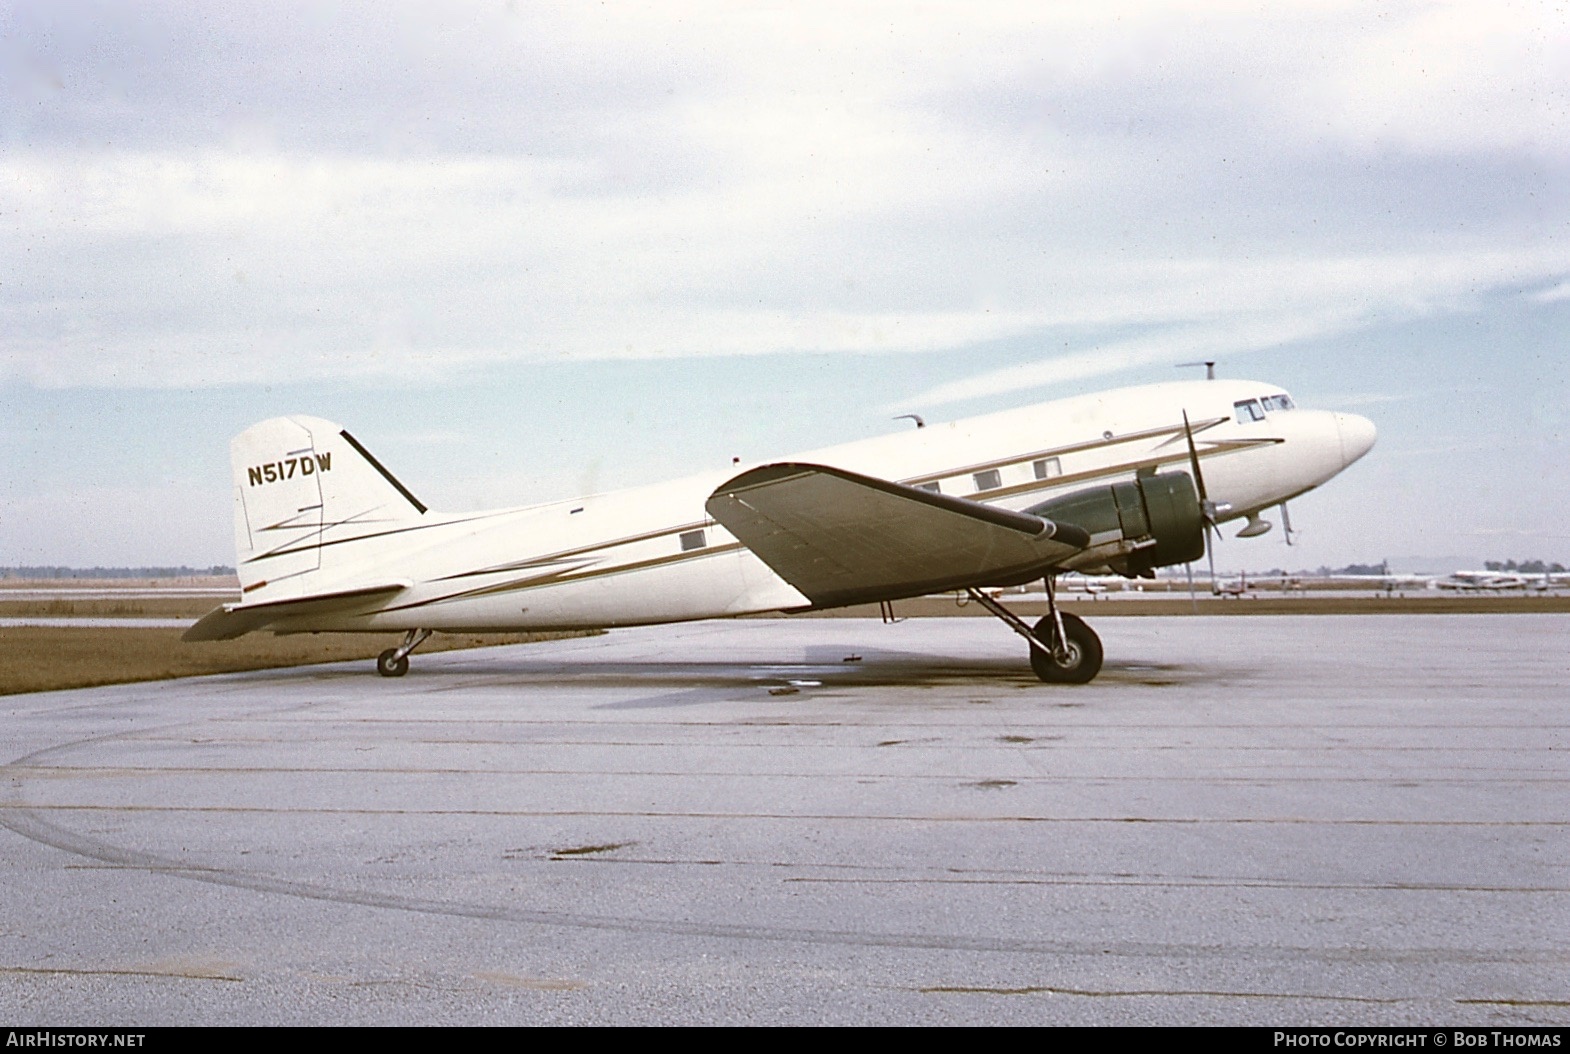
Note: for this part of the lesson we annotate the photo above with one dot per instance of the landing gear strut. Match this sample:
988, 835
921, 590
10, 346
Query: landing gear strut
1063, 650
394, 662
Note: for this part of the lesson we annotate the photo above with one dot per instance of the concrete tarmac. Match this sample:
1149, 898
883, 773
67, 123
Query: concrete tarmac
1283, 820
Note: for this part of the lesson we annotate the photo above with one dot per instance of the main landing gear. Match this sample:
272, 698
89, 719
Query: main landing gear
1063, 650
394, 662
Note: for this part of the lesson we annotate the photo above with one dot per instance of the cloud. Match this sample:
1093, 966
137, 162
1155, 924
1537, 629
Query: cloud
1455, 77
1551, 295
205, 197
1515, 532
218, 268
1169, 347
1214, 310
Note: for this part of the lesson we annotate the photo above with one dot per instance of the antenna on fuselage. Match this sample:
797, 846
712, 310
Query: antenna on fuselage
914, 417
1209, 364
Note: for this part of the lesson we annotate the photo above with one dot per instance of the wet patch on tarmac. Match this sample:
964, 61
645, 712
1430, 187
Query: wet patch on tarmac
587, 850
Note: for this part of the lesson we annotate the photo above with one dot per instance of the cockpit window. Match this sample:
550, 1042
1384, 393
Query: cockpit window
1277, 402
1247, 411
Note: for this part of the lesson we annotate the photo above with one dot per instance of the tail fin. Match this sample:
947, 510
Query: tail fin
304, 490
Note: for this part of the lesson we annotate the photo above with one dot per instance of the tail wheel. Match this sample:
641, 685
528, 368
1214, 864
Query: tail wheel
1077, 662
390, 664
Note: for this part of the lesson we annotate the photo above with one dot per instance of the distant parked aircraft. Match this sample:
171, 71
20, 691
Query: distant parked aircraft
1495, 581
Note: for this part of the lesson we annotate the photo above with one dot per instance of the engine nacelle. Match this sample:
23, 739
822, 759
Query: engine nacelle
1134, 527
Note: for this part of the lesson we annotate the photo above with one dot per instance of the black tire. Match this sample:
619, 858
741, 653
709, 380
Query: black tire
388, 665
1084, 647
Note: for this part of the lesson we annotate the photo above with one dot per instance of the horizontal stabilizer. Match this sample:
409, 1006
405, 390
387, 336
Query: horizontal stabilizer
843, 538
236, 620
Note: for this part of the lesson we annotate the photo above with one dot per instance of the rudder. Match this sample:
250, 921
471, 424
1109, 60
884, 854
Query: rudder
303, 488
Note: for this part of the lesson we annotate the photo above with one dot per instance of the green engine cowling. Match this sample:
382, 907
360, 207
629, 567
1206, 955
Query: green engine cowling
1148, 523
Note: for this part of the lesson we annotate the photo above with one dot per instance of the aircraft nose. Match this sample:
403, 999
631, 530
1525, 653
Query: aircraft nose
1357, 436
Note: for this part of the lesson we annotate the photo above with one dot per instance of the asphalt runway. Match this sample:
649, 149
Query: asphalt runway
1282, 820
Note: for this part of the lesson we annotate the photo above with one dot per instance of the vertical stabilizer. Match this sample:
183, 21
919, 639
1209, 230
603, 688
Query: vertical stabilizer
304, 493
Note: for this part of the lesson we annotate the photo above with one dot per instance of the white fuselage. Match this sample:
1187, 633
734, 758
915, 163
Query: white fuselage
651, 554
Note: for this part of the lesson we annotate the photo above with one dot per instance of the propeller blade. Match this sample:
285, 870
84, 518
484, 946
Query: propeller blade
1210, 556
1193, 460
1210, 510
1207, 508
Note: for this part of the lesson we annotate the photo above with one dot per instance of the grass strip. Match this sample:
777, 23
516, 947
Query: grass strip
48, 658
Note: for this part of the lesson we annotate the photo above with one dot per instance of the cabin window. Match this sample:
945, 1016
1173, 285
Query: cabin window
933, 487
1047, 467
691, 540
1248, 411
991, 479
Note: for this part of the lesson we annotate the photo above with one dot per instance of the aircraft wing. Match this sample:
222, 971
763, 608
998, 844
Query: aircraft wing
236, 620
842, 538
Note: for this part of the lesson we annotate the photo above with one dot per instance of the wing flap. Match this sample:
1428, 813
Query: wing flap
236, 620
843, 538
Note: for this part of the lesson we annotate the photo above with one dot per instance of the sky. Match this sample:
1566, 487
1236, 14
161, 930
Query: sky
525, 251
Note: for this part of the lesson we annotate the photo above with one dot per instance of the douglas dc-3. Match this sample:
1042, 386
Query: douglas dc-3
1123, 481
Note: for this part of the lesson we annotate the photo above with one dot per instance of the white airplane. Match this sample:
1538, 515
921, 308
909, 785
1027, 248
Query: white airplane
1124, 481
1490, 581
1392, 582
1389, 582
1235, 588
1090, 585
